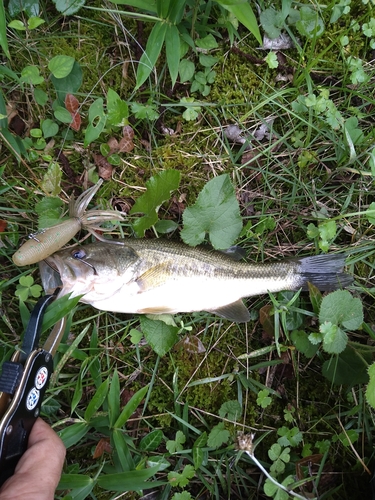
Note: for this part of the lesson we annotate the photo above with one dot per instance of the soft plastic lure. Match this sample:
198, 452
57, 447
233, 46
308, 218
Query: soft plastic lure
48, 241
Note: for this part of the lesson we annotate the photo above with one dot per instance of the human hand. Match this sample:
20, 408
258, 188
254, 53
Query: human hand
39, 469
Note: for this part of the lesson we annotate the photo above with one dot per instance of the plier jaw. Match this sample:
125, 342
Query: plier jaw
23, 383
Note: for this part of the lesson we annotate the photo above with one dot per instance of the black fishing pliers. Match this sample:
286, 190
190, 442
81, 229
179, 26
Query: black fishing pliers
23, 383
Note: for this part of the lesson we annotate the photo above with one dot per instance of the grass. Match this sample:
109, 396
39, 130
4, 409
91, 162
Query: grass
118, 405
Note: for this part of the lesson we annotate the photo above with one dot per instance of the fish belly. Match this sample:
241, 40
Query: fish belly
184, 295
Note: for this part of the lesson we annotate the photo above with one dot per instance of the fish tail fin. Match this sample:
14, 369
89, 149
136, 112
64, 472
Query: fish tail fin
324, 271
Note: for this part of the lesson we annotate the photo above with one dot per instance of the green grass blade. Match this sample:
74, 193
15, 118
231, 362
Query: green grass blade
244, 14
123, 453
129, 481
149, 5
97, 400
151, 54
74, 433
130, 407
3, 30
172, 48
114, 399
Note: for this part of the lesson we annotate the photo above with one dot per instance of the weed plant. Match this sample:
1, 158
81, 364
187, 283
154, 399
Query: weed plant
195, 406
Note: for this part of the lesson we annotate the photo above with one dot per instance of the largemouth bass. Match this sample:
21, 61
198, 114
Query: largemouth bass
159, 276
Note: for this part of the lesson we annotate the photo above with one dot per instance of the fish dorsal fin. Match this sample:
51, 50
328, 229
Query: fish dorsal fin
234, 312
234, 252
153, 277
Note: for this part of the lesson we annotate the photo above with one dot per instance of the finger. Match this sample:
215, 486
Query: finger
38, 472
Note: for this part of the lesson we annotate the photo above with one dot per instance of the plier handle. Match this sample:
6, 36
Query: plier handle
23, 383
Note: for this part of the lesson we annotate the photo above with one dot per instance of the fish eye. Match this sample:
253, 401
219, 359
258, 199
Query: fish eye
79, 254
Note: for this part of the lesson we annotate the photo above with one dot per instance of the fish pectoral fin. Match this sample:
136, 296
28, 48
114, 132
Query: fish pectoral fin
152, 278
234, 312
156, 310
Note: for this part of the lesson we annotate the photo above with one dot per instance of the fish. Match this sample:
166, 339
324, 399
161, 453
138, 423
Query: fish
156, 276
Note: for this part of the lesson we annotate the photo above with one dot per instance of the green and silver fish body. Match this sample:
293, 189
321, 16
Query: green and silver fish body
159, 276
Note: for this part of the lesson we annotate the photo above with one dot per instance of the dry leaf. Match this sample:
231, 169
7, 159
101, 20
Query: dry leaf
105, 169
113, 145
72, 105
3, 226
102, 446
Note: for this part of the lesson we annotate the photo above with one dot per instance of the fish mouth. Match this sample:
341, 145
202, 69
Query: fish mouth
50, 275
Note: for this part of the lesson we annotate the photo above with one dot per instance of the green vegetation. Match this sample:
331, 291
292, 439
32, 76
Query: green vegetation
201, 136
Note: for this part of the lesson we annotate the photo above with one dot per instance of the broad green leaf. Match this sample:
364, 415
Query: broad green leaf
341, 308
289, 437
272, 22
40, 97
184, 495
181, 479
33, 22
271, 60
49, 128
175, 445
165, 226
3, 30
160, 336
144, 111
207, 61
302, 343
207, 43
218, 436
151, 441
263, 398
231, 410
30, 75
310, 24
74, 433
172, 49
70, 84
97, 400
97, 121
244, 13
149, 57
30, 7
215, 212
117, 110
130, 407
334, 339
129, 480
159, 188
61, 66
17, 25
348, 368
68, 7
49, 211
52, 179
186, 70
62, 114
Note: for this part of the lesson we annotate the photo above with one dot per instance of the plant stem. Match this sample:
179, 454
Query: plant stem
273, 480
